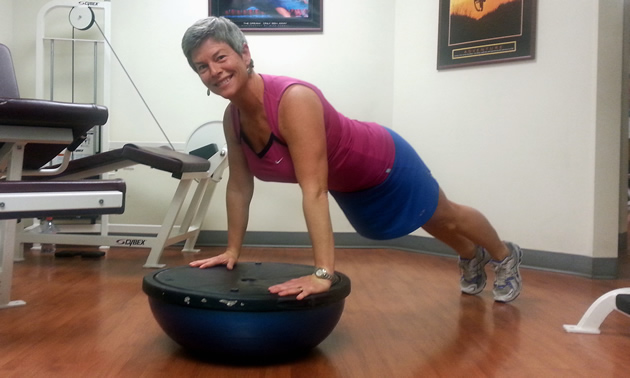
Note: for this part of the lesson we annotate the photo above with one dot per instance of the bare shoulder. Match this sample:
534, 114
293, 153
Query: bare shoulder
299, 95
301, 114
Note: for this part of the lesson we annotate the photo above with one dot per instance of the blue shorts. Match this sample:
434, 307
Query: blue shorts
401, 204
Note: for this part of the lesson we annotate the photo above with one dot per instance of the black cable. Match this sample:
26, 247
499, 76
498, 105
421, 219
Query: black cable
134, 84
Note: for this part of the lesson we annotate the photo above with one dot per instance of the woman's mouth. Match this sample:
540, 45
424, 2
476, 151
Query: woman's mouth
223, 82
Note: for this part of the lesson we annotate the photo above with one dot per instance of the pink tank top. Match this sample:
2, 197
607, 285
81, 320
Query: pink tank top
360, 154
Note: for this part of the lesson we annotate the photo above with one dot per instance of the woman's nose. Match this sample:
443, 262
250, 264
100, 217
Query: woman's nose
215, 69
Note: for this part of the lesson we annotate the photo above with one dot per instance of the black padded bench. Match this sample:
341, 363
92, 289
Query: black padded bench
26, 119
17, 115
161, 158
623, 303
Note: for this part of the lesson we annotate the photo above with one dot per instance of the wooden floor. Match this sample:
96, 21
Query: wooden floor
404, 318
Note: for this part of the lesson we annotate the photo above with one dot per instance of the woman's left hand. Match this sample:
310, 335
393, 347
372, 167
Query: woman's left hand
302, 287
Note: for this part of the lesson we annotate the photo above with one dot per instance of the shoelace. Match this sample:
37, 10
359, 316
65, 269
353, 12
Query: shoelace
473, 271
502, 271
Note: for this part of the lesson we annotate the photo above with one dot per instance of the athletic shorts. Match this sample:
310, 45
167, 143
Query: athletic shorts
401, 204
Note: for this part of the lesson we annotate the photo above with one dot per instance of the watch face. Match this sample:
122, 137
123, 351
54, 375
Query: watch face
81, 17
322, 273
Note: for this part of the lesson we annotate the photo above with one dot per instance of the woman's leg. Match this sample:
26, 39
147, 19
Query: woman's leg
469, 232
463, 229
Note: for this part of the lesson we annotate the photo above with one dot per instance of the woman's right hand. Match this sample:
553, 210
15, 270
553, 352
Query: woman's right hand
227, 258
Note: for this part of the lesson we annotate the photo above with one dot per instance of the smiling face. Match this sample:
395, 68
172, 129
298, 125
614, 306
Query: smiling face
220, 68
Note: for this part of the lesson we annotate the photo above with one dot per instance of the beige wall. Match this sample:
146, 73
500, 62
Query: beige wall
533, 144
6, 22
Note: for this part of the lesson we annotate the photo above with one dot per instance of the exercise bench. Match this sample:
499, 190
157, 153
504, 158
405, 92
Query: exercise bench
20, 199
618, 299
34, 132
37, 129
186, 168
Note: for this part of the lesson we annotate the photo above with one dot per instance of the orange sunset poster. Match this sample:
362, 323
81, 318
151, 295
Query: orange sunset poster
475, 8
484, 31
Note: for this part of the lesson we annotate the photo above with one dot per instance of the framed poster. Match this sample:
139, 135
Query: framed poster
270, 15
475, 32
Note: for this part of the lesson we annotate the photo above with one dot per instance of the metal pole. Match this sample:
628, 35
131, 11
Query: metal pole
52, 69
95, 72
96, 143
72, 76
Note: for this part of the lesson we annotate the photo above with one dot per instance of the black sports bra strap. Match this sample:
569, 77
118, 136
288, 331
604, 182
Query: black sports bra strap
261, 154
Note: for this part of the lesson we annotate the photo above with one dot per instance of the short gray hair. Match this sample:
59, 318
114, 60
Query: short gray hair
219, 29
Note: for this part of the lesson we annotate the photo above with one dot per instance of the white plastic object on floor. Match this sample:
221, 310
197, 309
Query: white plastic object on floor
597, 313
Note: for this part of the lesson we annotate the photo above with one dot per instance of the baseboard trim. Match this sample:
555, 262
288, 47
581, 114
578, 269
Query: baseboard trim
597, 268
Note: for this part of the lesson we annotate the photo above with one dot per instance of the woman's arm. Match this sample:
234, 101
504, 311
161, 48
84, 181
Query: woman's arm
240, 188
301, 123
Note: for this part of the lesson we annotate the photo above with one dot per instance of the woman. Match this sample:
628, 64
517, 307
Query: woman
282, 129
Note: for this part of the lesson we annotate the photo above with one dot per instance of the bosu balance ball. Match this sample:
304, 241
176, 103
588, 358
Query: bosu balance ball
221, 313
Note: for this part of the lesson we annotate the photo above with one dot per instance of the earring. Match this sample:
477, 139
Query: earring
250, 67
208, 92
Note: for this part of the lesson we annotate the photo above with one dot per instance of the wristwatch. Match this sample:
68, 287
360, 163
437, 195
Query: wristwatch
323, 274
